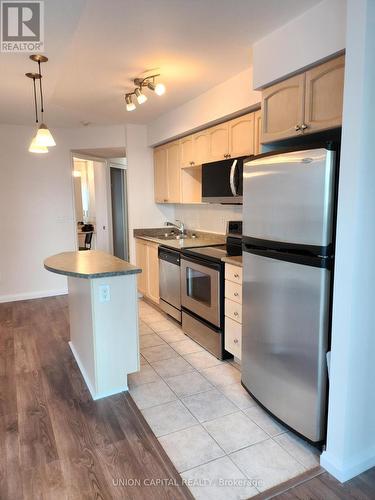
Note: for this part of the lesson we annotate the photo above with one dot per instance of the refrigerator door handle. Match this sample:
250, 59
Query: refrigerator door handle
232, 173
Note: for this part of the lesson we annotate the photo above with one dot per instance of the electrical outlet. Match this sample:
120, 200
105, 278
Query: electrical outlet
104, 293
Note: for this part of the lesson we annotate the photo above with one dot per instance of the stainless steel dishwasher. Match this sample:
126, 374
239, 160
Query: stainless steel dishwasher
169, 282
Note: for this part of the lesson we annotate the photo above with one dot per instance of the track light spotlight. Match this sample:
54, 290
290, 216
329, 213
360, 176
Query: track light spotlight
141, 98
130, 106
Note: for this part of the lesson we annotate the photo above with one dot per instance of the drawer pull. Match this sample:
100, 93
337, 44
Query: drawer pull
235, 341
235, 294
235, 313
236, 275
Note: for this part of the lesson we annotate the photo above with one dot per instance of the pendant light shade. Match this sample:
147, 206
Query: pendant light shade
44, 137
35, 148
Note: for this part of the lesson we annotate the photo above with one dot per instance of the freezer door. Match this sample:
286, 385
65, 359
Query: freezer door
285, 336
289, 197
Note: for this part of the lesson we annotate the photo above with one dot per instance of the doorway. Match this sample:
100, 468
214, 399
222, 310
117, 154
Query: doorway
119, 212
100, 203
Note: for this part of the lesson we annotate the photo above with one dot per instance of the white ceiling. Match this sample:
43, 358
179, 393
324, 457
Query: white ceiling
97, 47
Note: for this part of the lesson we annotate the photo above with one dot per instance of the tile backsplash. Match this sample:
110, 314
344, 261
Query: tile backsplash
208, 217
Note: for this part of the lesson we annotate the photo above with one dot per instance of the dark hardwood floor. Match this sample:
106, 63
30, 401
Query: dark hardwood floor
55, 442
325, 487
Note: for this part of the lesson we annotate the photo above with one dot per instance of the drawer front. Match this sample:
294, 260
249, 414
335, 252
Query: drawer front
233, 291
233, 273
233, 335
233, 310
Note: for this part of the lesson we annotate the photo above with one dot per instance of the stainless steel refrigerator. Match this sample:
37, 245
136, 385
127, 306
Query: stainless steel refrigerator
289, 205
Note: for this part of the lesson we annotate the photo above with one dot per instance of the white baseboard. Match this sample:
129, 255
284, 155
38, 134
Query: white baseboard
349, 470
32, 295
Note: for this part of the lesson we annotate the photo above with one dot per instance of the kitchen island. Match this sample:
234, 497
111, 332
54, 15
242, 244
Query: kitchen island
103, 312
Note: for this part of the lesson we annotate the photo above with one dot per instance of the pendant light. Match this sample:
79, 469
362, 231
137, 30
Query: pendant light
43, 138
34, 147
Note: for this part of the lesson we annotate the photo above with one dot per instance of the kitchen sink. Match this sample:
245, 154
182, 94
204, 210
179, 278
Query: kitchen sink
175, 236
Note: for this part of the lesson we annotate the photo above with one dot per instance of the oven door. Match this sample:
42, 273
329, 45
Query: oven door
200, 289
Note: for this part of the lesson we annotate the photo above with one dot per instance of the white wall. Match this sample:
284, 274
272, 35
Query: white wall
351, 414
36, 201
208, 217
222, 101
310, 37
36, 213
142, 211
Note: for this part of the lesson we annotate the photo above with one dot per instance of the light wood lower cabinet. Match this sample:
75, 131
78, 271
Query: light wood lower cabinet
233, 337
233, 310
148, 260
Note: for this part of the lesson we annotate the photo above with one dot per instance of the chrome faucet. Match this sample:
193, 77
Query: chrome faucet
180, 226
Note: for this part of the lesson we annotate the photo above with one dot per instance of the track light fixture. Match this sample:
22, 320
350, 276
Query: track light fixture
141, 83
43, 138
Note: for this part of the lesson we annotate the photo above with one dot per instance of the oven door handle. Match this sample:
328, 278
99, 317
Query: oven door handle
231, 180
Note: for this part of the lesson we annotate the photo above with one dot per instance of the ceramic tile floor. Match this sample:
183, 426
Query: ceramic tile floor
222, 443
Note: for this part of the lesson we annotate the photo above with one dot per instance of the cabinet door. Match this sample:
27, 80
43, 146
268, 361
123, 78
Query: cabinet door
153, 272
191, 185
141, 260
174, 173
283, 109
241, 136
324, 95
257, 131
201, 147
186, 151
218, 142
161, 175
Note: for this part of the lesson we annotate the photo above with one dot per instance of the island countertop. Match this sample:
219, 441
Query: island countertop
89, 264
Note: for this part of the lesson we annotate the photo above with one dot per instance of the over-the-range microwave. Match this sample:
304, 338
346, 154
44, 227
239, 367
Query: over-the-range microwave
222, 181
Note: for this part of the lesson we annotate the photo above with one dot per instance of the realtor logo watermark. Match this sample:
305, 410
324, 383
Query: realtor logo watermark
22, 26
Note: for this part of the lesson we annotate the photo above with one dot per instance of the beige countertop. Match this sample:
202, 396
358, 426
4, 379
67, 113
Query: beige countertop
235, 260
89, 264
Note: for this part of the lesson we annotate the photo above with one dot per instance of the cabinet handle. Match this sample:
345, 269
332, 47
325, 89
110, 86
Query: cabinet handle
236, 294
235, 341
193, 162
235, 313
165, 200
297, 128
236, 275
304, 126
228, 156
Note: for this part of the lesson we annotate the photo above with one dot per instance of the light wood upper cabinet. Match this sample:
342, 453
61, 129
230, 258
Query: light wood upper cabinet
218, 142
173, 172
257, 131
186, 151
201, 147
161, 174
241, 136
306, 103
324, 95
167, 173
283, 108
141, 259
